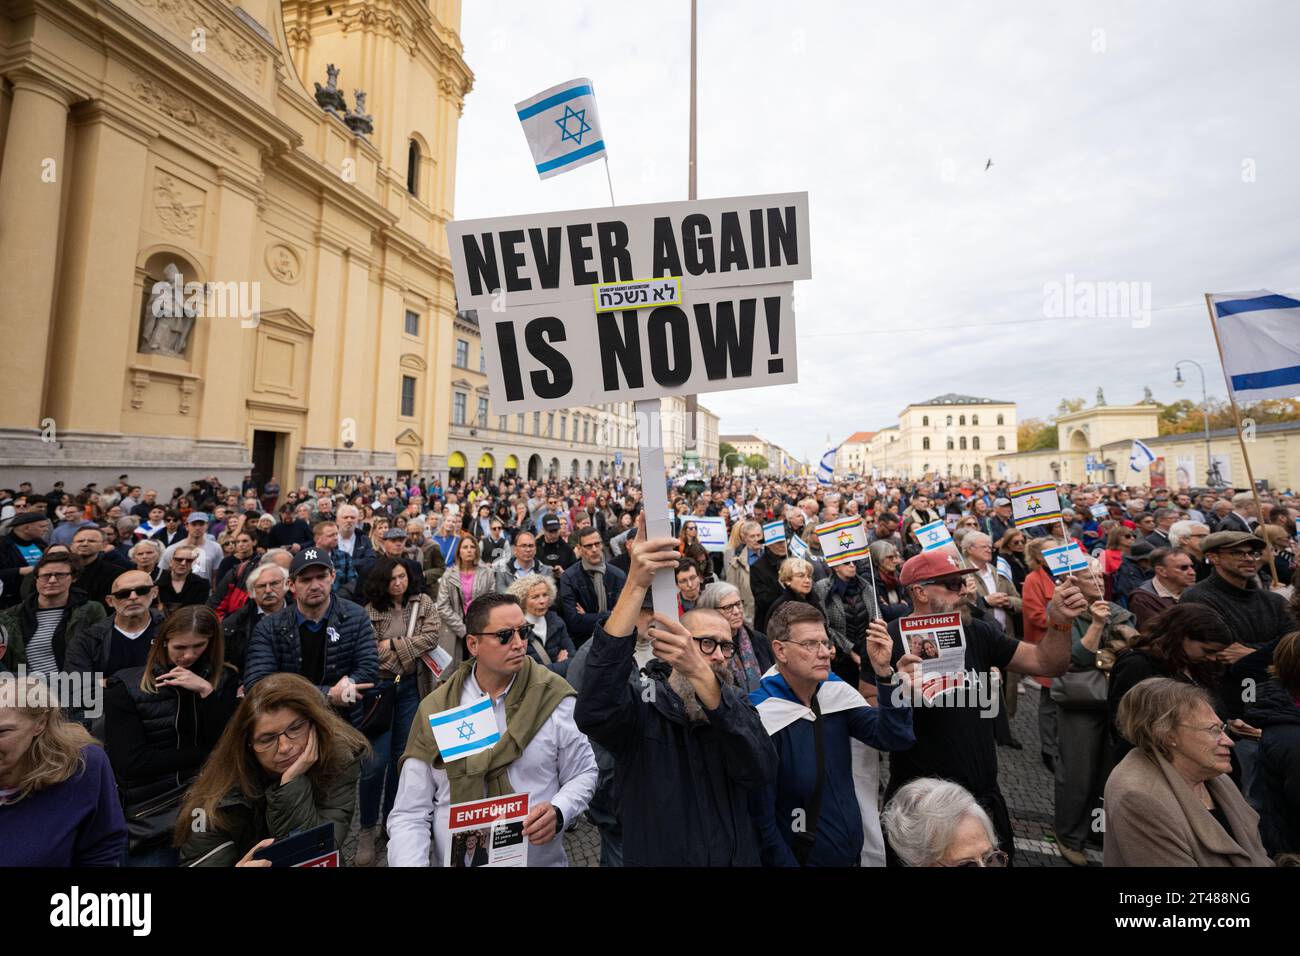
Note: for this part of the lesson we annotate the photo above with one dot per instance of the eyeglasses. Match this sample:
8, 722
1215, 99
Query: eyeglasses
812, 647
1217, 731
506, 635
708, 645
295, 731
948, 584
992, 858
123, 593
53, 575
180, 560
733, 606
1253, 555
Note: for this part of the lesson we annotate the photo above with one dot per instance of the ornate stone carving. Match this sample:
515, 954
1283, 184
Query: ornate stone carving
222, 43
187, 395
329, 97
298, 35
178, 206
186, 113
139, 382
283, 263
168, 318
358, 120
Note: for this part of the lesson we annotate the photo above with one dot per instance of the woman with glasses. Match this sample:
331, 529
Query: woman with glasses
180, 587
550, 644
406, 627
931, 822
494, 544
796, 578
173, 530
465, 579
689, 535
1012, 547
753, 654
1171, 801
285, 764
160, 723
1119, 568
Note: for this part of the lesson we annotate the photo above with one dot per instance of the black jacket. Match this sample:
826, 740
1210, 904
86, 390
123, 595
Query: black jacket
295, 532
683, 786
237, 633
276, 646
97, 578
557, 640
576, 588
1276, 790
157, 742
785, 597
89, 653
194, 591
765, 583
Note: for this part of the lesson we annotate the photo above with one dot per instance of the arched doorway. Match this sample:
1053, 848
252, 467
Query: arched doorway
534, 467
486, 464
456, 466
976, 472
512, 467
587, 472
575, 468
554, 471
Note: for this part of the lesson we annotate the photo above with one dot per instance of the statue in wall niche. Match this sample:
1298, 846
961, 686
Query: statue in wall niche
169, 315
358, 120
329, 97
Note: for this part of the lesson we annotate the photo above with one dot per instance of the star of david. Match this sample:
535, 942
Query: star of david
465, 730
1033, 505
563, 124
845, 539
933, 536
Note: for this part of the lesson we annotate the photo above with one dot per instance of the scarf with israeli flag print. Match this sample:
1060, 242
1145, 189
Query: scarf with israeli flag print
779, 706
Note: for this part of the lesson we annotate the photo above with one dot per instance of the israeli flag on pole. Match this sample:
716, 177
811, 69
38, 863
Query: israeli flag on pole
1066, 559
933, 536
1259, 339
1004, 569
826, 468
798, 549
1140, 457
465, 731
562, 127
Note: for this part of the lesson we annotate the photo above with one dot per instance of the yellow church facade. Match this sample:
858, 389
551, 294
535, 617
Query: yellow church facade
223, 229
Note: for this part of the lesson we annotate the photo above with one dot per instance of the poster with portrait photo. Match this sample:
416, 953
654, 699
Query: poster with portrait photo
940, 642
488, 832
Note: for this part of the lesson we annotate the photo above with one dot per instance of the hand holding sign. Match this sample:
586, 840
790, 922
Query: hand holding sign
649, 557
880, 647
539, 826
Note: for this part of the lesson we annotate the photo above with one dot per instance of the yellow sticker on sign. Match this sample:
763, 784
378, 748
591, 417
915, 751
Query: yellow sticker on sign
639, 293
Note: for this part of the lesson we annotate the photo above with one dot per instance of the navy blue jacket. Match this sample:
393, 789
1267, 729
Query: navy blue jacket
683, 786
1276, 790
276, 646
839, 826
557, 639
576, 588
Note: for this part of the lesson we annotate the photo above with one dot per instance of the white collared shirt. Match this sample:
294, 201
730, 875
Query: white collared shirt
557, 766
990, 579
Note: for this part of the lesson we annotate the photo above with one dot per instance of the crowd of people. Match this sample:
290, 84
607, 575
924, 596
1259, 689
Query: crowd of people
187, 679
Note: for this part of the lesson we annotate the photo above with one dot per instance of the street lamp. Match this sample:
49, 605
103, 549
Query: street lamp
1211, 470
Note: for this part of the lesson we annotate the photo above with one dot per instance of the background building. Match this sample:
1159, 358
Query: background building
950, 434
144, 140
586, 441
852, 457
676, 434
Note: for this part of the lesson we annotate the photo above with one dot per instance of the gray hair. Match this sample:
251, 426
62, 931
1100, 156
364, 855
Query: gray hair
126, 526
144, 543
922, 818
1180, 531
972, 538
881, 550
524, 586
714, 594
255, 575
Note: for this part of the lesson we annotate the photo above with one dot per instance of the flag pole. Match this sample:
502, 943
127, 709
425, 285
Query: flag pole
609, 180
1241, 440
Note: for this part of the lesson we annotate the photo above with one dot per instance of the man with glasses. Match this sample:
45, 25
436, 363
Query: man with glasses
325, 638
1189, 535
37, 632
208, 555
180, 586
813, 813
1174, 574
1257, 619
119, 642
543, 754
494, 545
519, 562
957, 742
589, 588
687, 746
267, 592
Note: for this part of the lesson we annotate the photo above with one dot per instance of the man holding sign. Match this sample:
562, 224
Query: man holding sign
500, 725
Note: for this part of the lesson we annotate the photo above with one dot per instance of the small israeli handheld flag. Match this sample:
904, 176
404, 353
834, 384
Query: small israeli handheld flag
1004, 568
562, 127
464, 731
797, 548
1066, 559
774, 532
933, 536
1140, 457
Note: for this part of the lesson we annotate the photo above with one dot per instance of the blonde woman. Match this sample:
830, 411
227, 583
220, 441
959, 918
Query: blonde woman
378, 528
58, 800
796, 577
550, 643
466, 578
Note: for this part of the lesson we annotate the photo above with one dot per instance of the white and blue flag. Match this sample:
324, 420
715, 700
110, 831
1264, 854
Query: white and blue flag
1140, 456
797, 548
826, 467
1259, 341
562, 127
465, 731
1066, 559
774, 532
1004, 569
933, 536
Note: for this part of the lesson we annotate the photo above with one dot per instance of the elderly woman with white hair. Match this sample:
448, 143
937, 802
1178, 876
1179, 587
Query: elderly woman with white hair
550, 643
145, 555
796, 578
932, 822
753, 656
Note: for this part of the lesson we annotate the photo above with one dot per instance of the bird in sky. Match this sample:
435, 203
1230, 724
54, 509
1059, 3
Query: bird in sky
988, 164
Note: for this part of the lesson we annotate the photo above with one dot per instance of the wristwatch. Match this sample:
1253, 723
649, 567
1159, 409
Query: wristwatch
890, 678
559, 819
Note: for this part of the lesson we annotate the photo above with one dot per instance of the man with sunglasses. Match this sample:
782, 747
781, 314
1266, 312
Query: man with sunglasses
957, 742
119, 642
1257, 619
37, 632
687, 746
543, 754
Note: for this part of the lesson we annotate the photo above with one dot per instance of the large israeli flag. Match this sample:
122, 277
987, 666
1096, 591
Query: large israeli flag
1140, 456
562, 127
826, 468
1259, 339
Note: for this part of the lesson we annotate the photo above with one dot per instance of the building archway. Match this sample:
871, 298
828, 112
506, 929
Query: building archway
486, 465
456, 466
512, 467
534, 467
977, 472
554, 471
587, 471
575, 468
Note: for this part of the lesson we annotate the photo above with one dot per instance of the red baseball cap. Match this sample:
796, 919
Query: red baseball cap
929, 565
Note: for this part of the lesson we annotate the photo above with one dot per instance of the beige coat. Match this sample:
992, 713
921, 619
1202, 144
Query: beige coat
1154, 819
451, 608
735, 571
1004, 587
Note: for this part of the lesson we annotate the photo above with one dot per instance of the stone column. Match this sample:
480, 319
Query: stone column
31, 191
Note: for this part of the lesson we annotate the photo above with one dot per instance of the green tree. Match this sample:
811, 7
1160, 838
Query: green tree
726, 453
1034, 434
756, 463
1069, 406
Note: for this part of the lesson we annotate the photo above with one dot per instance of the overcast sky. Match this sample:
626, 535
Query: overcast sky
1122, 136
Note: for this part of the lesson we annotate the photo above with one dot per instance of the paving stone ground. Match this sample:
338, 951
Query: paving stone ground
1025, 782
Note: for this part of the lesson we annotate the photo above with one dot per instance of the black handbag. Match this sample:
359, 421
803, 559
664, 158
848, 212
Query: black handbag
378, 705
151, 823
